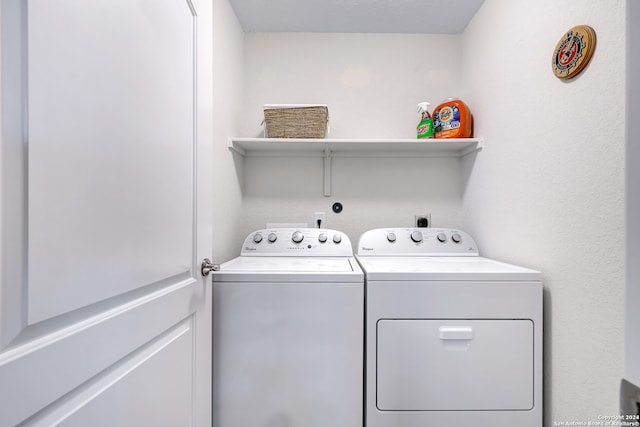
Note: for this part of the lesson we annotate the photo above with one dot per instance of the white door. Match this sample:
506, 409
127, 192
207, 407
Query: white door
105, 319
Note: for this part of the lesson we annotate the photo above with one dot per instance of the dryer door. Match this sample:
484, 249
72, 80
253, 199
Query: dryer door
445, 364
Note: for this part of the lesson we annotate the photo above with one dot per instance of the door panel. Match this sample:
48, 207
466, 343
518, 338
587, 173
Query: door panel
106, 212
125, 125
120, 386
45, 368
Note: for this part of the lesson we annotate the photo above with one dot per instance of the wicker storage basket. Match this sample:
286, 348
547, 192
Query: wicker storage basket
296, 121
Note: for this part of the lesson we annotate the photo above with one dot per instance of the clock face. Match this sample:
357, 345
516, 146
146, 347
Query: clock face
573, 52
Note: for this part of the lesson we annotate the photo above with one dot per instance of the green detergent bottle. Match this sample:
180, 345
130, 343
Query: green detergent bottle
425, 127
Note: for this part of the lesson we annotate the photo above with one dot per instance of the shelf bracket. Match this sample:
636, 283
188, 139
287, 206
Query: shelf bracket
326, 160
473, 149
236, 149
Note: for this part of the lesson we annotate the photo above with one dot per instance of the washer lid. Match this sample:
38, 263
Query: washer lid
442, 268
288, 264
290, 269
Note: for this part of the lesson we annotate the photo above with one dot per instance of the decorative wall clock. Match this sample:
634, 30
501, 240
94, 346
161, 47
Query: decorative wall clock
573, 52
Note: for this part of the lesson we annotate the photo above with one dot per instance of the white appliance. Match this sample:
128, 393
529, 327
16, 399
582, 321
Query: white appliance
452, 338
289, 332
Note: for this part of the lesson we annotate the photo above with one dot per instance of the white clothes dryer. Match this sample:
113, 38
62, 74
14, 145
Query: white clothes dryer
452, 338
288, 332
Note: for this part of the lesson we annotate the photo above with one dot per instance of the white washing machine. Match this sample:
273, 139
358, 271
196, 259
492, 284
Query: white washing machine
288, 332
452, 338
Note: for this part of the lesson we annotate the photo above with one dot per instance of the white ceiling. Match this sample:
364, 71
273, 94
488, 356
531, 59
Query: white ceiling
356, 16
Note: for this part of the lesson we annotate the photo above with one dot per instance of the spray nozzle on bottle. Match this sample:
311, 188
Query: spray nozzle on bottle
425, 127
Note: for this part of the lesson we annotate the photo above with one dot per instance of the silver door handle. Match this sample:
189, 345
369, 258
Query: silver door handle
207, 267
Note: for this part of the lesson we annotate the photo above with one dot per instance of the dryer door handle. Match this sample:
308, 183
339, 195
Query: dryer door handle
455, 332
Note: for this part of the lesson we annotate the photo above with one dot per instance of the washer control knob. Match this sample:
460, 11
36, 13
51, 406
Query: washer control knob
257, 238
416, 236
456, 238
442, 237
391, 237
297, 237
272, 237
337, 238
322, 238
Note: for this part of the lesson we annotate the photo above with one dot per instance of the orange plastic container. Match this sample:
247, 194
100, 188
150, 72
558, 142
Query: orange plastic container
452, 119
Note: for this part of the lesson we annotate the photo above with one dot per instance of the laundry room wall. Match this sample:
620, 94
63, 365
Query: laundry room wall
228, 39
547, 190
632, 300
372, 84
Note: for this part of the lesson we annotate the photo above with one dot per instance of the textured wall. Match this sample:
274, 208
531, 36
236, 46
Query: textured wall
548, 189
227, 100
372, 84
375, 192
632, 323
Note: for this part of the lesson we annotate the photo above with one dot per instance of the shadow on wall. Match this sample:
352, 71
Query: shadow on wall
466, 168
364, 178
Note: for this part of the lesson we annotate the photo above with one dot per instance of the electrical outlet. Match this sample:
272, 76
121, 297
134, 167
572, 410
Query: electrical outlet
422, 220
318, 220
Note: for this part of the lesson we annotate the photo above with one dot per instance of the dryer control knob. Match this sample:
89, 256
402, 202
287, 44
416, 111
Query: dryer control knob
442, 237
456, 238
257, 238
272, 237
391, 237
337, 238
297, 237
416, 236
322, 238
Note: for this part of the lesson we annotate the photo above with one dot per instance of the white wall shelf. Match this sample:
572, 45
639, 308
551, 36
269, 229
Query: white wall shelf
290, 147
328, 148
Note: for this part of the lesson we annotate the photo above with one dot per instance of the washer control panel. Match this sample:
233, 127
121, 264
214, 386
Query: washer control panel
416, 241
297, 242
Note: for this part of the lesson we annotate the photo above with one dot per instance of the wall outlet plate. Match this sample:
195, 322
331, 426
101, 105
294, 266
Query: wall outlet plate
422, 220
